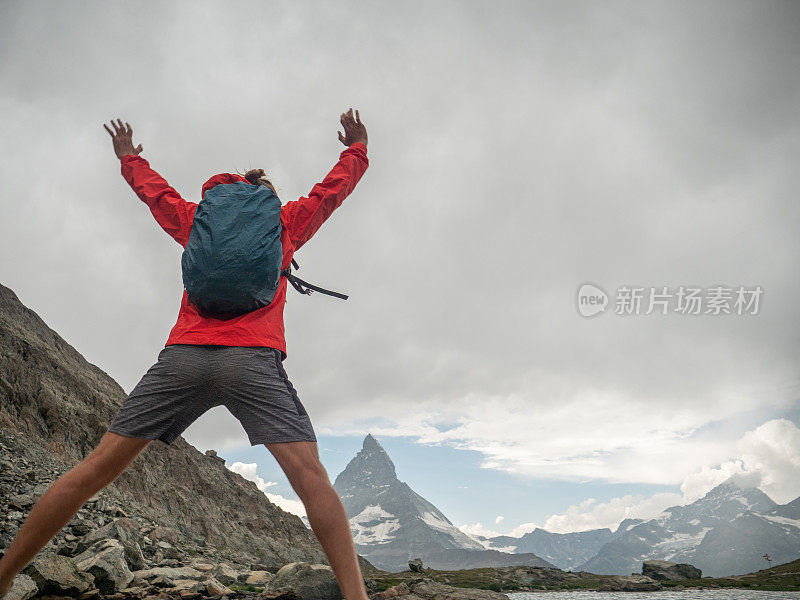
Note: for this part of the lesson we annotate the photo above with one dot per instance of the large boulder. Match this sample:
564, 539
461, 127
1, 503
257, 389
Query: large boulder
105, 560
225, 574
58, 575
256, 578
309, 582
663, 570
164, 550
127, 532
22, 588
415, 564
215, 588
162, 533
630, 583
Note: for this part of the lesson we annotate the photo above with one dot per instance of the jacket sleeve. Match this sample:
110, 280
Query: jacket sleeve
305, 216
173, 213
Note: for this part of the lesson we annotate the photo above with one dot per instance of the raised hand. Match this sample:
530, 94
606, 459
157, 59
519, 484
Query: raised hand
354, 130
122, 138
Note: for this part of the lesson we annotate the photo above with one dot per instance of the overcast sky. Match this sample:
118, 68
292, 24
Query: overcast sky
517, 151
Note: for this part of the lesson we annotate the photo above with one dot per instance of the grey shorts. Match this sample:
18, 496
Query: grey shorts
188, 379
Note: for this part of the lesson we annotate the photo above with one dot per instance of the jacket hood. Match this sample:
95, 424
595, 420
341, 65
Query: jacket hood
221, 178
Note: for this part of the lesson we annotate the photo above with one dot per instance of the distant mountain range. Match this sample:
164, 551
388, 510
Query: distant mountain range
565, 550
391, 523
726, 532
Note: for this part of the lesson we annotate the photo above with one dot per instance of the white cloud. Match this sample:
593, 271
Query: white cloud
248, 471
522, 529
590, 515
773, 450
478, 529
770, 460
697, 484
499, 519
295, 507
597, 436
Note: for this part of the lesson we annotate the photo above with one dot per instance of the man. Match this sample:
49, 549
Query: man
207, 362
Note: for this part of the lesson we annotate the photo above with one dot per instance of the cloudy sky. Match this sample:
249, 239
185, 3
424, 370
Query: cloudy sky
517, 151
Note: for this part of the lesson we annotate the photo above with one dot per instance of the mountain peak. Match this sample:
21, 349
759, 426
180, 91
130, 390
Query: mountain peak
370, 467
742, 481
371, 444
391, 523
744, 489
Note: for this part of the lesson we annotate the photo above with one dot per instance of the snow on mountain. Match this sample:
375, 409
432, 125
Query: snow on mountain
725, 532
391, 523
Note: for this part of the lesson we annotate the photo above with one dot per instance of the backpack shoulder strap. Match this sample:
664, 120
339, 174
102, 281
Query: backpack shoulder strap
306, 288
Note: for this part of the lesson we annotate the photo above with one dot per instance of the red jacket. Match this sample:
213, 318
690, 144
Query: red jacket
300, 219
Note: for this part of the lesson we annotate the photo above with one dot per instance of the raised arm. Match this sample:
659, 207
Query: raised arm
171, 211
305, 216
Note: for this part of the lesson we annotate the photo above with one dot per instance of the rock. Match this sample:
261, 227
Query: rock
257, 578
309, 582
173, 573
284, 594
105, 560
204, 567
214, 588
20, 501
67, 550
80, 527
127, 532
165, 534
630, 583
397, 591
663, 570
92, 594
190, 584
225, 574
22, 588
137, 581
213, 454
163, 581
415, 564
170, 562
135, 591
167, 550
58, 575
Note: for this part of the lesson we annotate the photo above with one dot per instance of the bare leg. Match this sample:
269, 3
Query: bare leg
326, 514
65, 497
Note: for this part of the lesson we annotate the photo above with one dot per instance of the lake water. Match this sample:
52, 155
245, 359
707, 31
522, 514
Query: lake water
664, 595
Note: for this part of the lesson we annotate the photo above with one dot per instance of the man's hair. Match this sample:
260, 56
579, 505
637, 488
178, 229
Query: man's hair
258, 176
